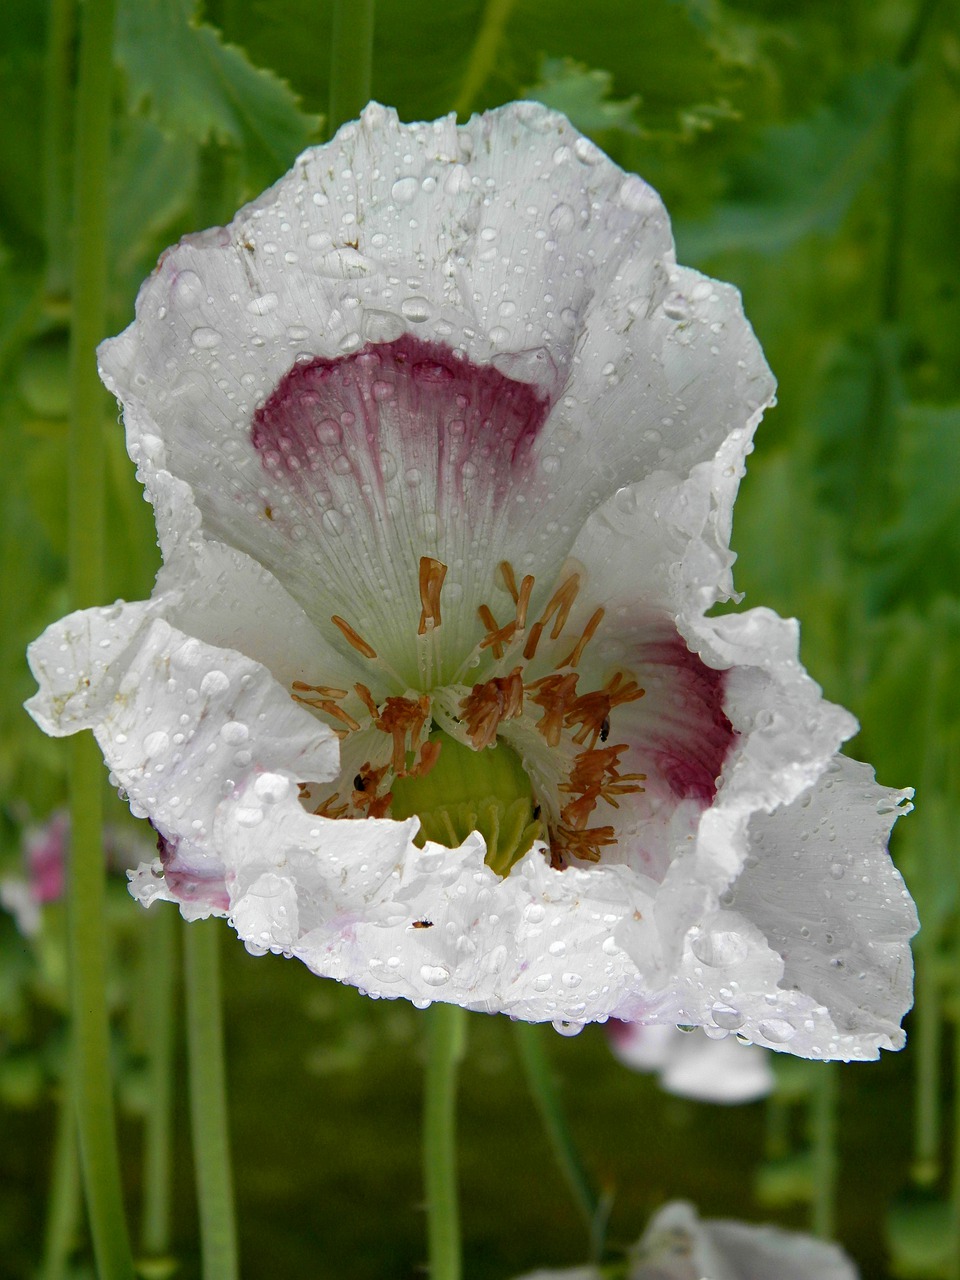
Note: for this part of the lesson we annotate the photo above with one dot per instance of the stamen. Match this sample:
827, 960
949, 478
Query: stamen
509, 581
353, 638
588, 633
429, 755
585, 845
560, 603
432, 574
330, 809
398, 717
523, 600
366, 697
322, 690
530, 648
330, 709
497, 636
554, 693
489, 703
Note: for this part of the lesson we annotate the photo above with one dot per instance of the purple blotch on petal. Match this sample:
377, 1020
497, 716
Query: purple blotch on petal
429, 408
691, 757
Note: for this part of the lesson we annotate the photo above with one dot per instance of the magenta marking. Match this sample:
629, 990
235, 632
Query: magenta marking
195, 884
690, 758
434, 411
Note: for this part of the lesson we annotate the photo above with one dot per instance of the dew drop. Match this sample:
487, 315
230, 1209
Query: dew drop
677, 307
434, 975
404, 190
187, 290
263, 305
777, 1030
587, 152
416, 309
214, 683
724, 1015
562, 219
719, 948
272, 787
329, 432
206, 338
154, 744
564, 1028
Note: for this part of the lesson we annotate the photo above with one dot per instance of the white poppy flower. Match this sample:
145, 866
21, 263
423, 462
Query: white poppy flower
678, 1245
443, 447
692, 1064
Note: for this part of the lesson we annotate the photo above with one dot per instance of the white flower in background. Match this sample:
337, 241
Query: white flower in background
443, 447
677, 1245
691, 1064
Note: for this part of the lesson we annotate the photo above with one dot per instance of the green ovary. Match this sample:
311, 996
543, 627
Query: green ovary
466, 790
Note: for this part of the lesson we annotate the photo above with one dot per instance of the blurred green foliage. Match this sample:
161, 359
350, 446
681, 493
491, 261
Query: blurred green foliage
809, 152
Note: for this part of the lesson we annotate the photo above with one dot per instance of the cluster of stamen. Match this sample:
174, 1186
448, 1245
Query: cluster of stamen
567, 716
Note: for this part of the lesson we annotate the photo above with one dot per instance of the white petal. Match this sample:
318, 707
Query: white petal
677, 1245
510, 240
821, 886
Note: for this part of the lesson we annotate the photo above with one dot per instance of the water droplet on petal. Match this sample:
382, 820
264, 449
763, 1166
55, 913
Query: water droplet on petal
417, 310
154, 744
564, 1028
777, 1030
404, 190
187, 290
206, 338
719, 948
724, 1015
562, 219
214, 683
234, 732
587, 152
263, 305
677, 307
434, 975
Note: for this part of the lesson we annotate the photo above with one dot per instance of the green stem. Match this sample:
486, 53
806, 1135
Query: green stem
161, 946
63, 1208
98, 1147
542, 1084
484, 54
926, 1056
208, 1100
56, 145
446, 1037
351, 61
823, 1123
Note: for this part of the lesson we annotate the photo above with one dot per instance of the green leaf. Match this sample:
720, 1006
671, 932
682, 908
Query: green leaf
583, 95
923, 546
190, 82
803, 177
153, 178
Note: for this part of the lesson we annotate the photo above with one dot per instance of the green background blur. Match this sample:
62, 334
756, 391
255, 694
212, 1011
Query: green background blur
808, 152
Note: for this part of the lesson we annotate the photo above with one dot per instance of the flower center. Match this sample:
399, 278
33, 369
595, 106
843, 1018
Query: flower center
467, 790
518, 754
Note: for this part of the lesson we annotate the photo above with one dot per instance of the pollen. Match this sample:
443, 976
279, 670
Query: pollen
490, 703
404, 719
